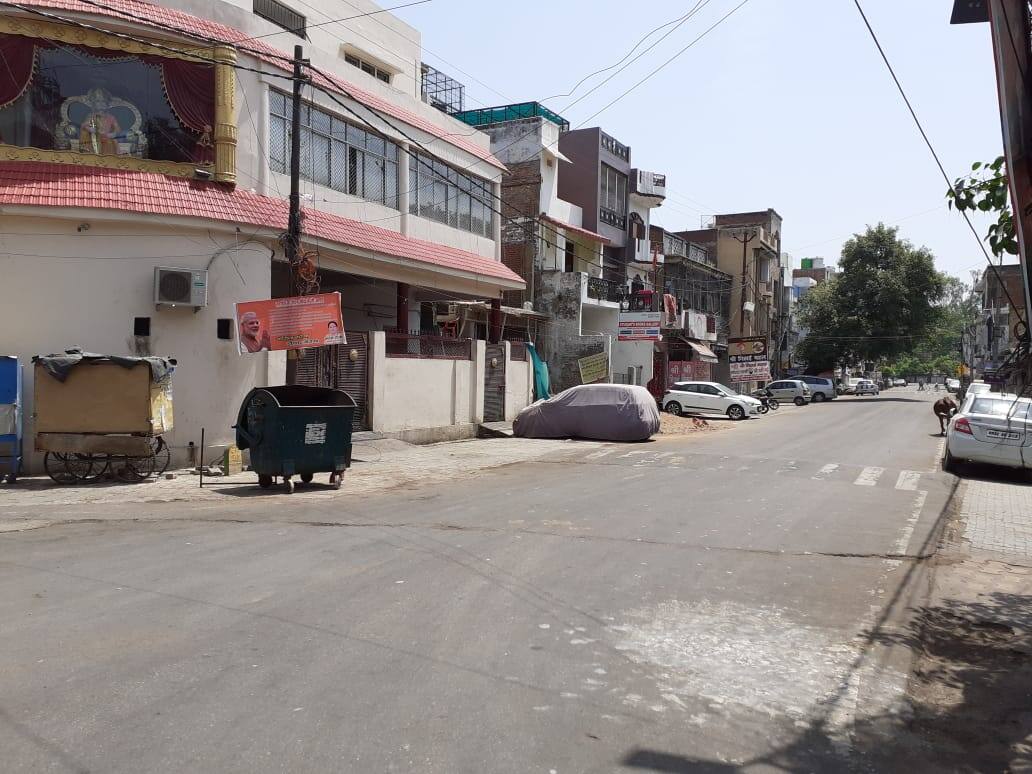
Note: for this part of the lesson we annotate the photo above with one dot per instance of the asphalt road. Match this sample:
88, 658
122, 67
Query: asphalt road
719, 602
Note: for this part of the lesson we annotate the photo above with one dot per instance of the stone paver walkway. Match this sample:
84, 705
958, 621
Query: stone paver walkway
998, 517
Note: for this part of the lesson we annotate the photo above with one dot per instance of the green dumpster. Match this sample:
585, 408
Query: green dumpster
296, 431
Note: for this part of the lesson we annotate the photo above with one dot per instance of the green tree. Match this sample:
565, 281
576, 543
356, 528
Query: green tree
886, 297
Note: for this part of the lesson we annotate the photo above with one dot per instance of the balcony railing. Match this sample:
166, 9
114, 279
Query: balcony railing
612, 217
605, 290
502, 113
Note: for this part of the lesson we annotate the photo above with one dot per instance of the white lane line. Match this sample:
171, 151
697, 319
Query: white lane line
869, 476
599, 454
826, 471
908, 480
908, 530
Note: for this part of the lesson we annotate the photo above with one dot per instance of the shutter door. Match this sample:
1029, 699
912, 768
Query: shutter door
353, 375
494, 383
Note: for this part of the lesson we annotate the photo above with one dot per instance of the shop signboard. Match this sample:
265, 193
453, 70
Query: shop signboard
689, 371
747, 357
594, 368
289, 323
640, 326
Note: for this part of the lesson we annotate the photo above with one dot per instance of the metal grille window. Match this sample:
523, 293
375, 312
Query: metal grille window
442, 193
281, 16
335, 153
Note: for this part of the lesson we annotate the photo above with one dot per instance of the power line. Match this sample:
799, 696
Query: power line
668, 61
931, 149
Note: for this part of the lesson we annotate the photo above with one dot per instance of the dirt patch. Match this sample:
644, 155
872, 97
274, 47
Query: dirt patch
673, 425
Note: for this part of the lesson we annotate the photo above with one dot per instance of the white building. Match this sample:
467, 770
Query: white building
156, 136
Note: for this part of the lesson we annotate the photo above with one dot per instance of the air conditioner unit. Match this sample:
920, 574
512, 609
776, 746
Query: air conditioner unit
180, 287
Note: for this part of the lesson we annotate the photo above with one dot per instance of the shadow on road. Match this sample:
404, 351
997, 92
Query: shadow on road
974, 471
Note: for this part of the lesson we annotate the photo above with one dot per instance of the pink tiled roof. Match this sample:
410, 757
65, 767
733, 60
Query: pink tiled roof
59, 185
576, 229
204, 28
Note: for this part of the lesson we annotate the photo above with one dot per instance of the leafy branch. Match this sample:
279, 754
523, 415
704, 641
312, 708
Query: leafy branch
986, 190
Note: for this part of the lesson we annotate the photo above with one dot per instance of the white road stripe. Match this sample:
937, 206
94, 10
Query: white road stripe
908, 529
599, 454
826, 471
908, 480
869, 476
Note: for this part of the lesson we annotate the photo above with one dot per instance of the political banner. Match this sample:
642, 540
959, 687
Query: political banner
289, 323
639, 326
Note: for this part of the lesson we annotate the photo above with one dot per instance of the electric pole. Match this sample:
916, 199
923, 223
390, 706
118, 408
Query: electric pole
747, 236
292, 240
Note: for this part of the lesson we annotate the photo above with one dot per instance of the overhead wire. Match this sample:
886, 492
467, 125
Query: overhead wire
931, 148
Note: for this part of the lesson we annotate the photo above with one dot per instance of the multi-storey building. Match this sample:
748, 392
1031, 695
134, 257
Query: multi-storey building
992, 337
135, 136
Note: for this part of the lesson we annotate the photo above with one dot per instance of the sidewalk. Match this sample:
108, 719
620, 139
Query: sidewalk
972, 680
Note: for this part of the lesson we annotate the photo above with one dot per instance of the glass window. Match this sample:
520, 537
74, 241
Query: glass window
445, 194
335, 153
106, 103
1000, 408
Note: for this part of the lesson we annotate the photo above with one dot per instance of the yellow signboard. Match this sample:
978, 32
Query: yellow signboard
594, 368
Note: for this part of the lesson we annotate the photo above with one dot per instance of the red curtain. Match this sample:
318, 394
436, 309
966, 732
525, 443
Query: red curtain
17, 61
190, 88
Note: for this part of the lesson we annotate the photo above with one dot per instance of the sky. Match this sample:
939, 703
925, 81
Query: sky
785, 104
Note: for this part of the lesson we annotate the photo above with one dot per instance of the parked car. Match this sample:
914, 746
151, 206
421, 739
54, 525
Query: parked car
708, 398
899, 382
791, 389
952, 385
866, 387
978, 386
821, 388
601, 412
994, 428
848, 387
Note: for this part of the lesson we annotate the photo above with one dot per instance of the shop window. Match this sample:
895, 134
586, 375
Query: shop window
102, 102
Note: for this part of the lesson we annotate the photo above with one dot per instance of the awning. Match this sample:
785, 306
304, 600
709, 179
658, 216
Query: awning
705, 353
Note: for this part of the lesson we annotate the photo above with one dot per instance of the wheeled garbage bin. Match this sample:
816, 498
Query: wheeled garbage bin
296, 431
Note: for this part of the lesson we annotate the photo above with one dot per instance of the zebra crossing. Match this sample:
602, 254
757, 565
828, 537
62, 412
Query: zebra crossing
870, 476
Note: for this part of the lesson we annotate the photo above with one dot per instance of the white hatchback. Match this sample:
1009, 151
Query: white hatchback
708, 398
991, 427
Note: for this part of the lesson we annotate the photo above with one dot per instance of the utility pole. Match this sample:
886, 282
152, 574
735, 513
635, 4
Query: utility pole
746, 237
292, 241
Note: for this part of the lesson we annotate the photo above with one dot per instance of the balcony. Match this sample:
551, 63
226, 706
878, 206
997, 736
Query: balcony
605, 290
612, 218
649, 186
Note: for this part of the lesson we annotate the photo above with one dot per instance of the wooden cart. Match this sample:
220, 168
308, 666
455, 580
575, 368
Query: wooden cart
103, 416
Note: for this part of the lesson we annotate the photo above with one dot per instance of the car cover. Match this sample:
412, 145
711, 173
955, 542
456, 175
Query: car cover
600, 412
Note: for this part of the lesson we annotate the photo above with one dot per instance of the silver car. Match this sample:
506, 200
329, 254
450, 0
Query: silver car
790, 389
993, 428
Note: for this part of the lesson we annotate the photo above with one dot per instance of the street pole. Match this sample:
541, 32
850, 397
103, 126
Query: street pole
747, 236
292, 242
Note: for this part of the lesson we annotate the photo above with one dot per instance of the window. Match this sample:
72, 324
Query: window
613, 197
334, 153
101, 102
708, 389
281, 16
1001, 408
366, 67
442, 193
569, 254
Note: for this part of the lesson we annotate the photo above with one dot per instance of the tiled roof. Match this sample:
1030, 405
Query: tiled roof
60, 185
204, 28
576, 229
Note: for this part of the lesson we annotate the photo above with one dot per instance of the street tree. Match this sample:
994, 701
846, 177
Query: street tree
985, 189
887, 297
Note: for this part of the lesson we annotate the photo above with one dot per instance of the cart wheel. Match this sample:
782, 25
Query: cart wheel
337, 479
264, 481
137, 468
162, 454
90, 468
307, 477
54, 465
69, 468
289, 486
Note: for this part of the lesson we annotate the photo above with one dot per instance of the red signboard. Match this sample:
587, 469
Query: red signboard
289, 323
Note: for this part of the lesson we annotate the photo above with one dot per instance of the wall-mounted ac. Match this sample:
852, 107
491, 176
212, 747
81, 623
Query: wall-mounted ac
180, 287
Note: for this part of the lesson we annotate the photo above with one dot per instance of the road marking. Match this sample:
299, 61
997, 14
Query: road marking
908, 530
869, 476
826, 471
599, 454
908, 480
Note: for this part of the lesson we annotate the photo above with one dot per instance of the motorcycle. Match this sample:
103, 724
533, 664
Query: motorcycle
767, 401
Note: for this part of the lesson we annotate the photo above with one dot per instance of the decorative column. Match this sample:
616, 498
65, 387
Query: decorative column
225, 114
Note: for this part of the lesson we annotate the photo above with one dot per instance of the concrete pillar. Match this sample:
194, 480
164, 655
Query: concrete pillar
377, 380
404, 187
477, 391
495, 325
402, 317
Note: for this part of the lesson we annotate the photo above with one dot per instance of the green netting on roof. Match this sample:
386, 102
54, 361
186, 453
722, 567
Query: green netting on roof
495, 115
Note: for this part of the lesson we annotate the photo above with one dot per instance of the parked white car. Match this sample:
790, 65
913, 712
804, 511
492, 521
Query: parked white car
899, 382
821, 387
866, 387
994, 428
708, 398
790, 389
952, 385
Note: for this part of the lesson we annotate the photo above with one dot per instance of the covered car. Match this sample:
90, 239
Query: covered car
600, 412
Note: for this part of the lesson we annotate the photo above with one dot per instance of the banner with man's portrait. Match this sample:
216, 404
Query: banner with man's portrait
289, 323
